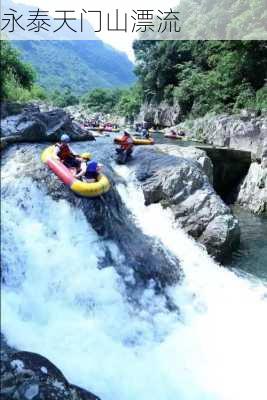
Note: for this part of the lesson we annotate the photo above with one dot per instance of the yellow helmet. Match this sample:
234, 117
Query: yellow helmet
86, 156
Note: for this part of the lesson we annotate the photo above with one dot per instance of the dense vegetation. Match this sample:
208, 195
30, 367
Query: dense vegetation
17, 77
18, 83
125, 102
218, 20
224, 19
197, 76
79, 66
203, 76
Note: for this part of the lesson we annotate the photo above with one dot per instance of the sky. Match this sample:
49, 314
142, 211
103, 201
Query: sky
119, 40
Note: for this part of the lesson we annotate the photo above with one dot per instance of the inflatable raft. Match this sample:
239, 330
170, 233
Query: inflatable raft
136, 141
171, 136
155, 131
85, 189
97, 129
110, 129
100, 134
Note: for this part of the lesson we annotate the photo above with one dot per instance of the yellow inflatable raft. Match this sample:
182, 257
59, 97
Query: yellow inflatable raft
136, 141
81, 188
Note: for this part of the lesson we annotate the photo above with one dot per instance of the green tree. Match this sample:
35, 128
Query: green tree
130, 102
102, 100
14, 72
202, 76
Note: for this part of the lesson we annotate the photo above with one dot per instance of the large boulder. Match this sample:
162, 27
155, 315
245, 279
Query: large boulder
30, 376
181, 184
32, 125
192, 153
8, 108
253, 190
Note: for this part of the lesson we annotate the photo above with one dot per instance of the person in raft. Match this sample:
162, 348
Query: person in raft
65, 153
126, 143
90, 170
145, 133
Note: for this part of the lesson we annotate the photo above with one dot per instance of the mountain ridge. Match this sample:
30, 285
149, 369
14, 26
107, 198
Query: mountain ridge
78, 65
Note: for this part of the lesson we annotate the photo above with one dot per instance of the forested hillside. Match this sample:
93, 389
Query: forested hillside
77, 65
224, 19
203, 76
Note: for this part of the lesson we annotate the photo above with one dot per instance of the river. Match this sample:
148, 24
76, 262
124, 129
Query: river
57, 302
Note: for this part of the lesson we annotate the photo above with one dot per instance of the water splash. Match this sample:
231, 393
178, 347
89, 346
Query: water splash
57, 302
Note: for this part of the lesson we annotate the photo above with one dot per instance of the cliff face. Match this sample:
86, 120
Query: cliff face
162, 114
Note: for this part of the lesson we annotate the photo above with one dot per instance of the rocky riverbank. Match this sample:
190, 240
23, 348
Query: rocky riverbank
248, 133
244, 132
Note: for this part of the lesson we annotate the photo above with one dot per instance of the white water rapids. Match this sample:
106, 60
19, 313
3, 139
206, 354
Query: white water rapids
58, 303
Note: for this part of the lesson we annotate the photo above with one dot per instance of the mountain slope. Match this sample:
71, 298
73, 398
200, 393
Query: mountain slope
80, 65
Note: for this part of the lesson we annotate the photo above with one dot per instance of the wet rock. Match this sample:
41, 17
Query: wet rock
29, 390
229, 169
181, 185
29, 376
252, 193
32, 125
8, 108
191, 153
253, 190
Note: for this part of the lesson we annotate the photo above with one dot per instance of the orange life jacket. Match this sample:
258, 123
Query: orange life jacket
126, 143
64, 151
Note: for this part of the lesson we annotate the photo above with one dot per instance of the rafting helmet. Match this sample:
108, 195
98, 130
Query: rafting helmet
86, 156
65, 138
126, 133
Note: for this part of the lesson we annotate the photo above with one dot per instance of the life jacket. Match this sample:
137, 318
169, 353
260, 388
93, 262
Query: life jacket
126, 142
64, 151
91, 170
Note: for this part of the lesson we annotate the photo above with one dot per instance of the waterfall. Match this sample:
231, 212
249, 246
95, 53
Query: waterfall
56, 301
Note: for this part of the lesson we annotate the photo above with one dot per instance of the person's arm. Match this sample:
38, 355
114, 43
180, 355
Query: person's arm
56, 151
82, 171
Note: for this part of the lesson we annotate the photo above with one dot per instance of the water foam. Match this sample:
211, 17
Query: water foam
57, 302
